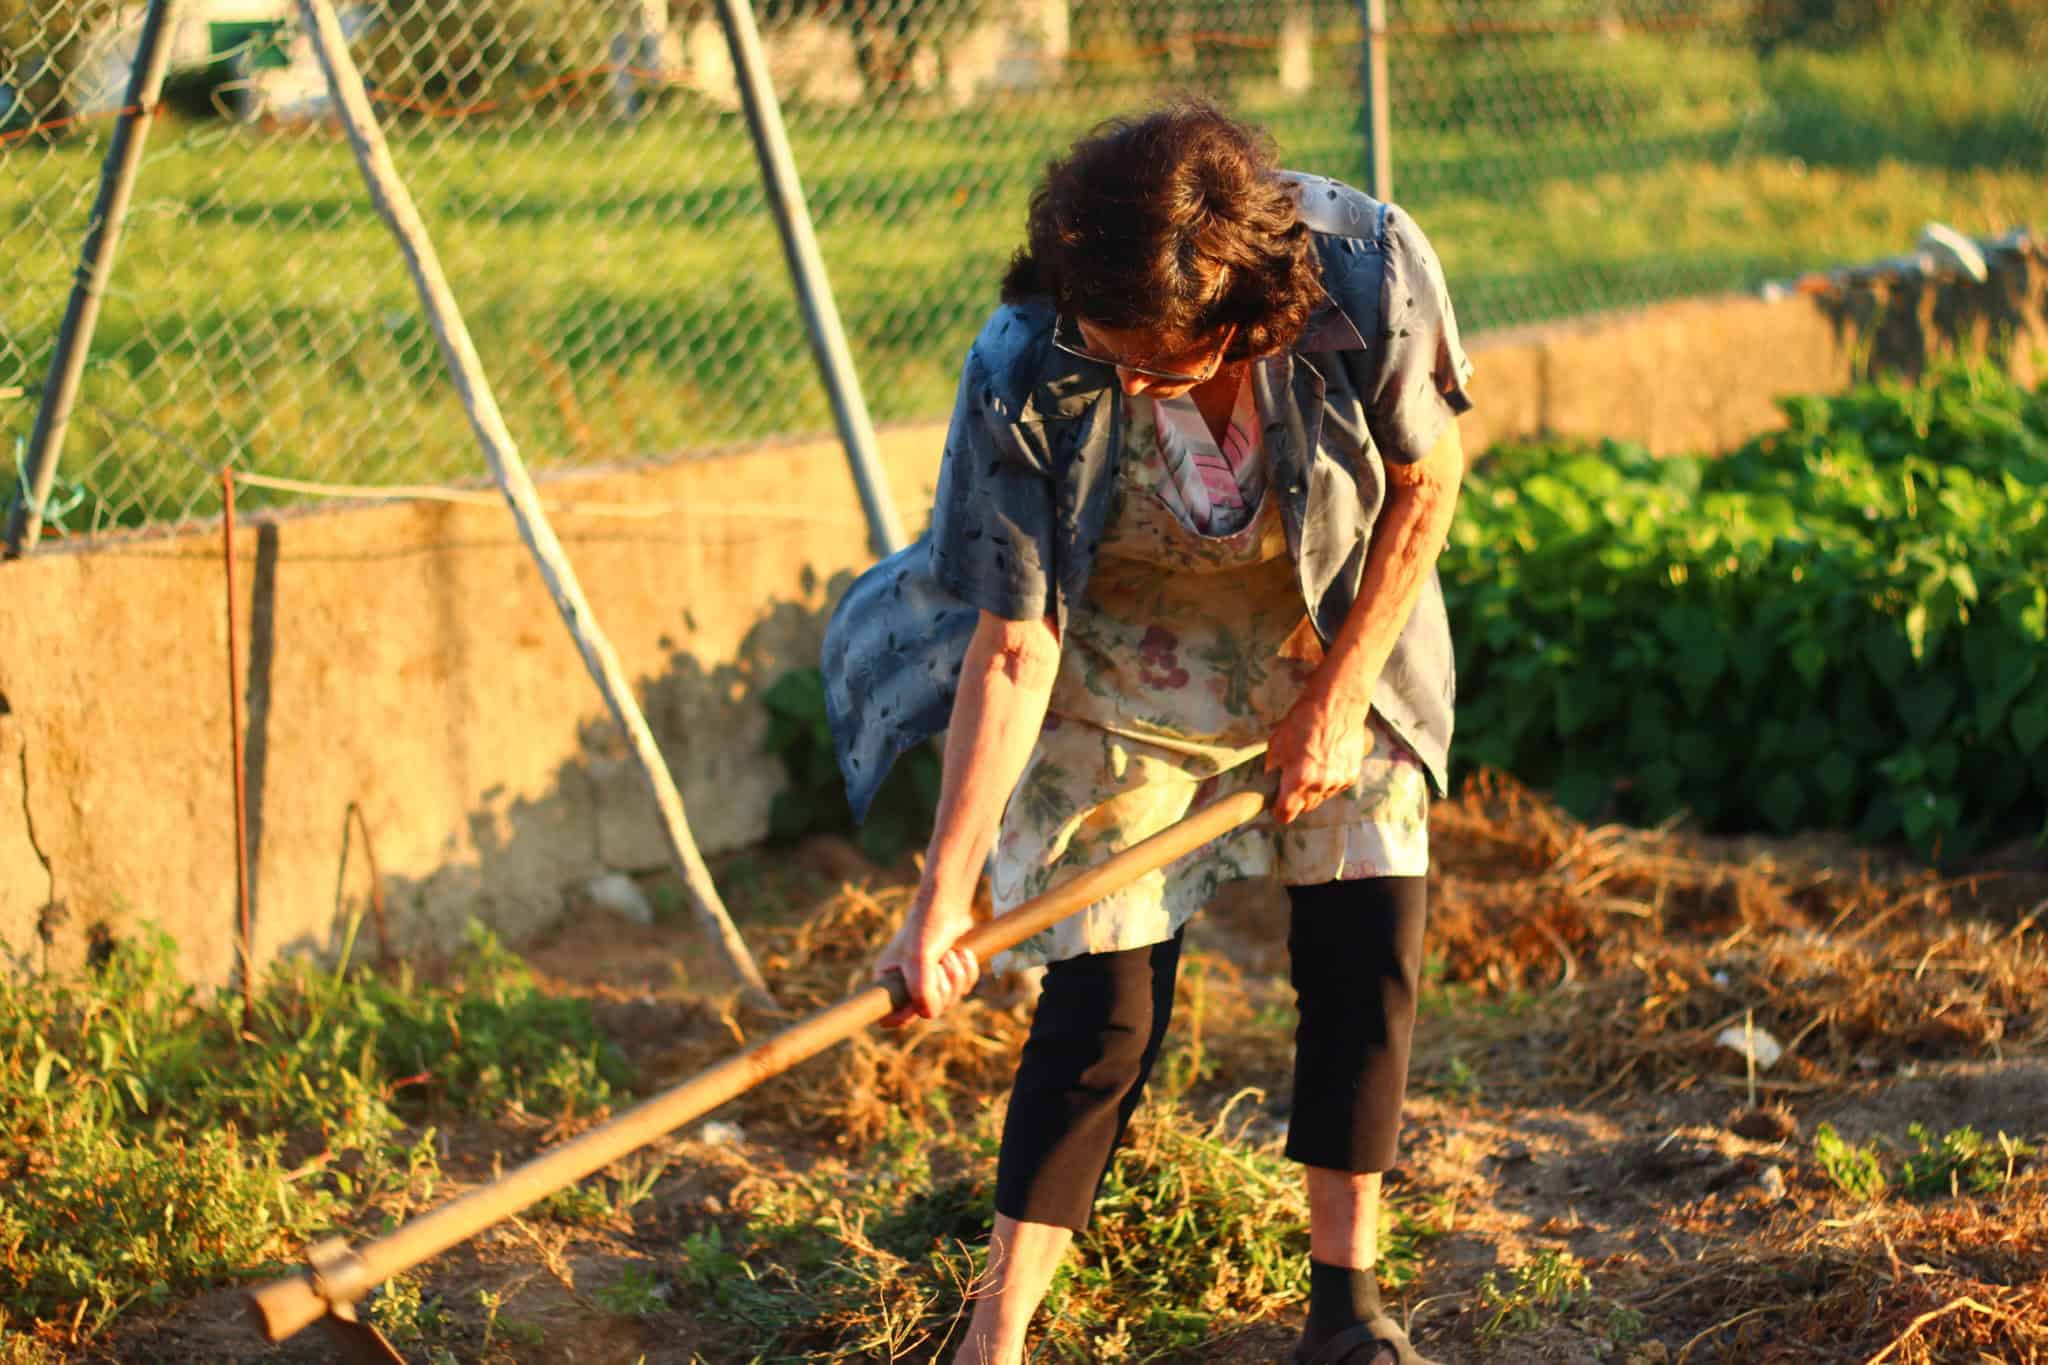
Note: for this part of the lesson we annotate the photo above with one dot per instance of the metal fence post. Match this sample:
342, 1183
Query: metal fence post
807, 270
95, 265
1379, 143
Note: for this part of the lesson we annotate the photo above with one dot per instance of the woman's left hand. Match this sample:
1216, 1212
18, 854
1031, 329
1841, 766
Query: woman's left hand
1318, 749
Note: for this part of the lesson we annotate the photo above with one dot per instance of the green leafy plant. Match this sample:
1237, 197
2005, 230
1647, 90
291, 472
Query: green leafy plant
1929, 1165
1625, 1325
1853, 1169
1958, 1161
815, 800
635, 1294
1843, 624
1554, 1282
1458, 1081
403, 1313
598, 1201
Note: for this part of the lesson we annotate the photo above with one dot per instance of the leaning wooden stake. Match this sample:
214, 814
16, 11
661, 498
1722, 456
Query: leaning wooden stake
89, 285
341, 1276
241, 766
395, 203
238, 760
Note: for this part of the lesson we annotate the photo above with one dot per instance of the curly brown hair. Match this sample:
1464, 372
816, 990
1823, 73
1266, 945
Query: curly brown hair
1175, 222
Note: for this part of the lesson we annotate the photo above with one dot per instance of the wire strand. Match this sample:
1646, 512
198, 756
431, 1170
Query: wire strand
477, 497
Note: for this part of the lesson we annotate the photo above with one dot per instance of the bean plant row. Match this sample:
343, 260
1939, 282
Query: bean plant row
1843, 624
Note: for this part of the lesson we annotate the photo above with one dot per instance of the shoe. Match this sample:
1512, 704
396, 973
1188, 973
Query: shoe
1379, 1342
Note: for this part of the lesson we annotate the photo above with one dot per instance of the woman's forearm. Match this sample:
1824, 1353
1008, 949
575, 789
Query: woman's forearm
1406, 541
1005, 683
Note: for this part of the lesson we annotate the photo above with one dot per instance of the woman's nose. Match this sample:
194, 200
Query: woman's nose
1133, 382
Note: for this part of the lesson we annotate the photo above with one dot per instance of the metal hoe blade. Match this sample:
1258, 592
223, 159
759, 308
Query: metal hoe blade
357, 1341
339, 1277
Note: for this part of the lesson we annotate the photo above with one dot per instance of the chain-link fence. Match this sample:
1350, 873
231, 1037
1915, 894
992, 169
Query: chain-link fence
593, 192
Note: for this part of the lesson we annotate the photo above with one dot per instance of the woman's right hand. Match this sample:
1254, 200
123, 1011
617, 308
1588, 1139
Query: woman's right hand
924, 952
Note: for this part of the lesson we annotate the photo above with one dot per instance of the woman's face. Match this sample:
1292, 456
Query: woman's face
1147, 364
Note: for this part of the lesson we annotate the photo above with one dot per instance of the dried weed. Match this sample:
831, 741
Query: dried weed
1650, 944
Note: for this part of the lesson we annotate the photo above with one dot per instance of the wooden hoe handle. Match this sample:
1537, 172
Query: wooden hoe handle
337, 1276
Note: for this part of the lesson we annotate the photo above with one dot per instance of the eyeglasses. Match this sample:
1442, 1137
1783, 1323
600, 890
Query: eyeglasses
1066, 339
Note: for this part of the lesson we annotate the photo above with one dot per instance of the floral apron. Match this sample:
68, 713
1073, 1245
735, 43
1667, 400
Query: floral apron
1184, 654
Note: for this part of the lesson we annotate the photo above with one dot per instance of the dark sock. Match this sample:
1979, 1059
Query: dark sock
1339, 1297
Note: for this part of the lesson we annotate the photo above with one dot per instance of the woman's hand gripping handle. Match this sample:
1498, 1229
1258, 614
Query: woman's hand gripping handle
937, 972
1084, 889
1318, 748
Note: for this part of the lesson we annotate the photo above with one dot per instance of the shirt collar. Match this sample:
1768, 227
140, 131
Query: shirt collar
1329, 328
1067, 385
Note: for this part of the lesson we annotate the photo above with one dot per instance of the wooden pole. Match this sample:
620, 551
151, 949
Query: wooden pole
286, 1306
227, 537
394, 202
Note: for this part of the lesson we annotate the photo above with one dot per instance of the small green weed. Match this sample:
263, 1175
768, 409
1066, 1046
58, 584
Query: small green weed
1192, 1223
601, 1201
1625, 1325
401, 1312
1854, 1170
1466, 1000
1554, 1282
1959, 1160
583, 1205
515, 1330
635, 1294
1456, 1080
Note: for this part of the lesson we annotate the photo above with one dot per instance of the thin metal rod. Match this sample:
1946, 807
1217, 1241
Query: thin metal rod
283, 1307
394, 202
227, 538
89, 286
353, 817
785, 192
1379, 136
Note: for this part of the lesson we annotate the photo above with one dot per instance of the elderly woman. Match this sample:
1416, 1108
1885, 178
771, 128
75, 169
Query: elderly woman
1200, 468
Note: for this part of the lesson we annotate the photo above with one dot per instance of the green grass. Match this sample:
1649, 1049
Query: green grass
1197, 1230
628, 293
150, 1146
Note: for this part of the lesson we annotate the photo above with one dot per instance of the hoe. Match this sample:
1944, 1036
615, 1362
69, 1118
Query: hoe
338, 1275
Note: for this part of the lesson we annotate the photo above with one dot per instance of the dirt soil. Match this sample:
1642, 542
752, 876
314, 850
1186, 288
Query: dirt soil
1568, 1098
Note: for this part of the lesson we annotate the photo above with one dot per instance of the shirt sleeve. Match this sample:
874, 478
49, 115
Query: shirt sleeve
1423, 367
992, 519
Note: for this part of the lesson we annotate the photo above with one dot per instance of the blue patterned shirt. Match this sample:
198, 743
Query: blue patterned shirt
1028, 480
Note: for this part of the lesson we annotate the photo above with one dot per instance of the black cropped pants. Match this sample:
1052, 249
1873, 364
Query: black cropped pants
1356, 960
